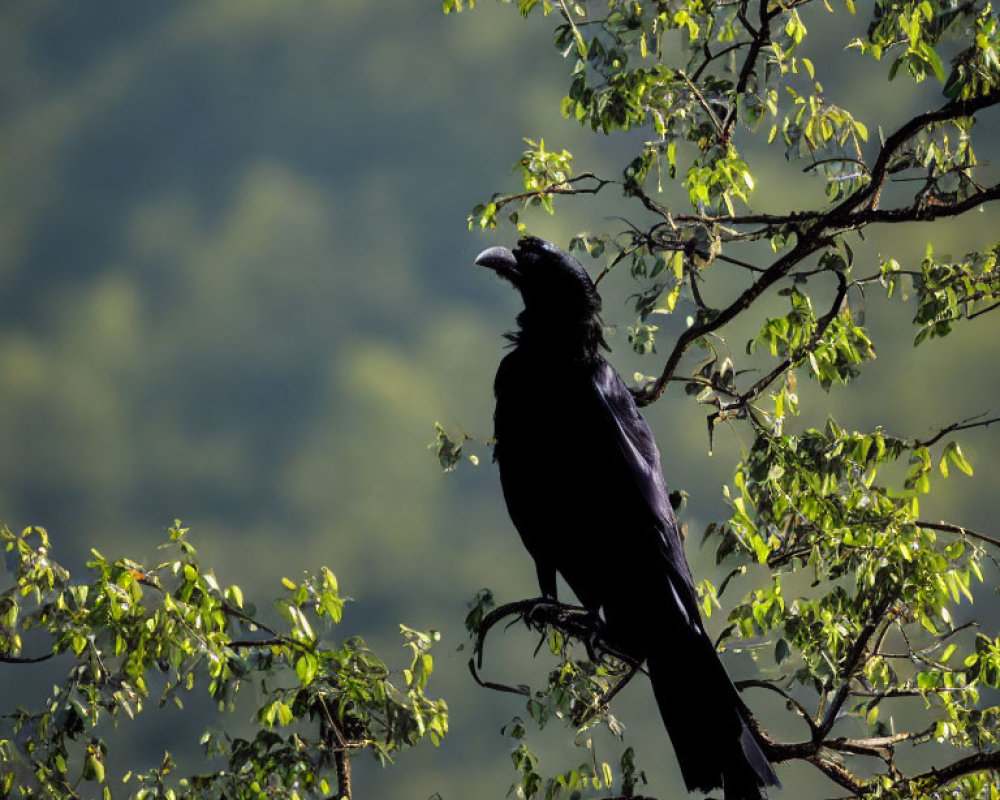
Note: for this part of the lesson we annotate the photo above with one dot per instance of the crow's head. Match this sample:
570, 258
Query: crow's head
550, 280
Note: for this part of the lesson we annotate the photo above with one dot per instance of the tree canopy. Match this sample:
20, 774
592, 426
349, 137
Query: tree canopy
851, 597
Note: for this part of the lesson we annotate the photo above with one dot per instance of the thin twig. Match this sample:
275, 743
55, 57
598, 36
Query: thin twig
27, 659
837, 160
563, 187
710, 57
963, 425
814, 731
982, 311
761, 36
704, 103
853, 659
821, 327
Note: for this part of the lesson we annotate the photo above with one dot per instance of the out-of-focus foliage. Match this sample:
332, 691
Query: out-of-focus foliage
855, 591
234, 290
135, 630
217, 283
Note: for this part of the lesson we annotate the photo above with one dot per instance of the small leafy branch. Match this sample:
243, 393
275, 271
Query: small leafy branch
877, 624
172, 624
578, 692
851, 588
448, 447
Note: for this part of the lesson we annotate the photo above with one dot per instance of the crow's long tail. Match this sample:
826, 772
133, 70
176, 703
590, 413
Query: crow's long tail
707, 722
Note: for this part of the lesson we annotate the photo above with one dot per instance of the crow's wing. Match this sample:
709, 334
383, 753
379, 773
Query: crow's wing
707, 720
642, 462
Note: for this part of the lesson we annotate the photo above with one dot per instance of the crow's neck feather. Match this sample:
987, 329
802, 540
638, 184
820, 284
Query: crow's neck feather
578, 339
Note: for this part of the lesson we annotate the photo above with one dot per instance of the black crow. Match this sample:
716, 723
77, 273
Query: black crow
582, 480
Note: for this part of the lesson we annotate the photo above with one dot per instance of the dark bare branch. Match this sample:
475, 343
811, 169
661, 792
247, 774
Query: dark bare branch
801, 709
4, 659
948, 527
964, 425
778, 270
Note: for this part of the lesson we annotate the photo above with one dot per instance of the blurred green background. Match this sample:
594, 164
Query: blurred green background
237, 288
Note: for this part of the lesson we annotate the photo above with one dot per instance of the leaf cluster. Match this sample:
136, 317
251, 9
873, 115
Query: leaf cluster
133, 631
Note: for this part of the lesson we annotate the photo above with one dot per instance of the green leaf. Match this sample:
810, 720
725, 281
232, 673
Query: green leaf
781, 651
954, 452
305, 668
235, 595
93, 769
931, 57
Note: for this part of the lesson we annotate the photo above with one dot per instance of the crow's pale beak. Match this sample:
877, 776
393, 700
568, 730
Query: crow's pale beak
501, 260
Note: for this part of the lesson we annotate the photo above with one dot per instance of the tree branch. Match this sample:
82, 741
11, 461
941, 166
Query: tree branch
774, 273
563, 187
822, 325
947, 527
982, 311
5, 659
845, 221
964, 766
878, 746
920, 213
760, 37
342, 759
814, 731
842, 217
710, 57
880, 171
964, 425
540, 612
852, 660
812, 753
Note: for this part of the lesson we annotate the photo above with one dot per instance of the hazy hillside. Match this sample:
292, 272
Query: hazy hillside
236, 288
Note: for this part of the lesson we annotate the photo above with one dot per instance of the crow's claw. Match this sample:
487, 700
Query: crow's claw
543, 612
